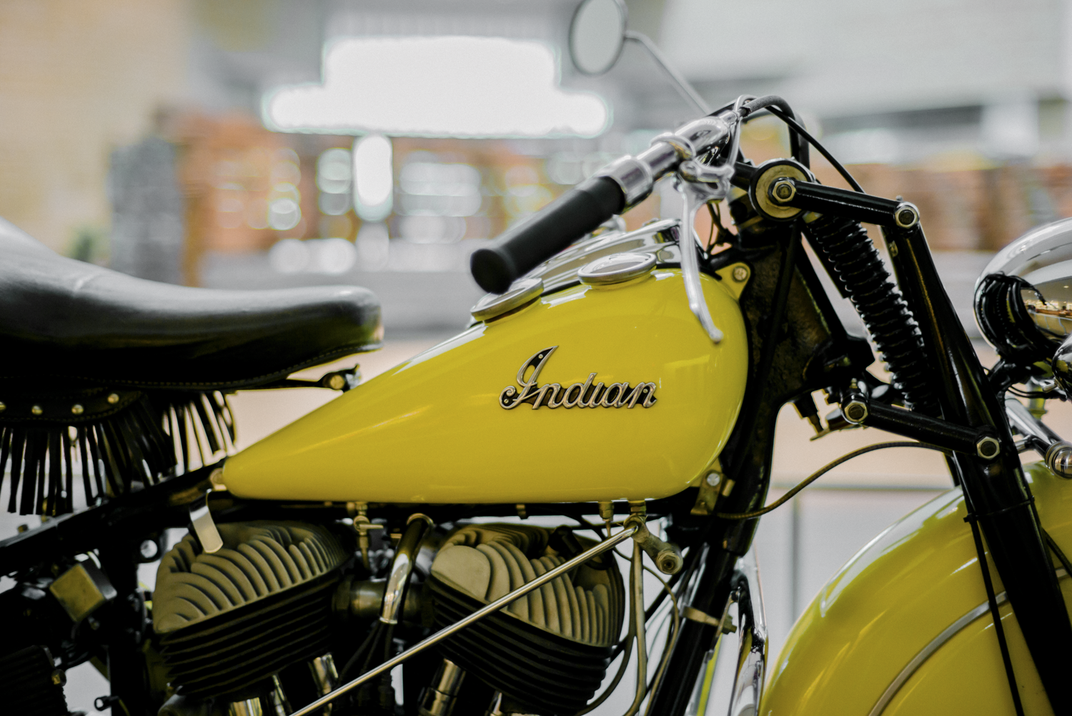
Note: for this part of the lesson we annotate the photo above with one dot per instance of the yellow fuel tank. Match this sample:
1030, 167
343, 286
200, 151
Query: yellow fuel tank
904, 627
588, 393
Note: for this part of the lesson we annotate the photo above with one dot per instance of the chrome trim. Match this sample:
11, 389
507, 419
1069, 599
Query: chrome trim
616, 268
680, 83
636, 605
752, 660
394, 595
637, 175
561, 270
1043, 258
696, 195
325, 675
438, 699
554, 395
666, 556
523, 292
632, 176
948, 633
1057, 452
204, 527
476, 616
277, 699
246, 707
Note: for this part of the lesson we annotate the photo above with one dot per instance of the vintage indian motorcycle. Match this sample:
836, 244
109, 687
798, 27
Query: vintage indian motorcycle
455, 519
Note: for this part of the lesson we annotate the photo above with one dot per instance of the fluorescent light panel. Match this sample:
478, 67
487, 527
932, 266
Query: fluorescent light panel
437, 87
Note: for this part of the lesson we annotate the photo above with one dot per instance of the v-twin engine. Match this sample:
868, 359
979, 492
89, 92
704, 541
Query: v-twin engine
234, 626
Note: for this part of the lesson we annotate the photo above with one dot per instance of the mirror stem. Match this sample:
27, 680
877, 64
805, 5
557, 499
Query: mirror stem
687, 91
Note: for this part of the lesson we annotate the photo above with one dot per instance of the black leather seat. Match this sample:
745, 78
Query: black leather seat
65, 321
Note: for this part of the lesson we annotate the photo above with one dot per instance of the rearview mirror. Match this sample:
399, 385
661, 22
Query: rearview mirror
597, 33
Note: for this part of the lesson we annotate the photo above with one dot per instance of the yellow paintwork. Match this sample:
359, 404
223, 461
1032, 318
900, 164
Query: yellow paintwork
432, 430
891, 600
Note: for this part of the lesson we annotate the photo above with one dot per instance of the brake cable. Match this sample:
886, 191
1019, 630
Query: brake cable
822, 471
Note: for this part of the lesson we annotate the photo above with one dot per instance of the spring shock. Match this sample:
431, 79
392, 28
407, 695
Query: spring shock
860, 275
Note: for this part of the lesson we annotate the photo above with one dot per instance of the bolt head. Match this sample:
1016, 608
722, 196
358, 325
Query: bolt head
148, 549
113, 398
713, 479
37, 410
336, 382
77, 409
740, 274
2, 407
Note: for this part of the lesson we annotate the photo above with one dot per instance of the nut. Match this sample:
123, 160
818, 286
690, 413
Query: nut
783, 191
906, 215
988, 448
669, 562
855, 412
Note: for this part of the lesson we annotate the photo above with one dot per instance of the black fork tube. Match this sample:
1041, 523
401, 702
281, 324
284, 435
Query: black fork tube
996, 490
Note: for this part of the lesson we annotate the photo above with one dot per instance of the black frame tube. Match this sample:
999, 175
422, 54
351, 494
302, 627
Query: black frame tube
996, 491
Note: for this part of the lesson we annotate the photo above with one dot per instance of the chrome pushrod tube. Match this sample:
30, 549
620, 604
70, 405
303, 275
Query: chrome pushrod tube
476, 616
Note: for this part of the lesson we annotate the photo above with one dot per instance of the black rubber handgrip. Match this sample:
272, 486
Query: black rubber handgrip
548, 231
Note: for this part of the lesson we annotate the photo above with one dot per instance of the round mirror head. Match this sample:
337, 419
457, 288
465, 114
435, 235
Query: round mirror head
1062, 366
597, 33
1023, 300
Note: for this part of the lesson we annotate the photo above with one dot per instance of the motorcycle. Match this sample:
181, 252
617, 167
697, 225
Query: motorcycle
443, 538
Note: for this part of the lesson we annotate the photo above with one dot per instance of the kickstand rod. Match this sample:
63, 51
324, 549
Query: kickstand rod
476, 616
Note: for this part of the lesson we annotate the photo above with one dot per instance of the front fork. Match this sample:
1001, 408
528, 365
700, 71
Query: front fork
747, 593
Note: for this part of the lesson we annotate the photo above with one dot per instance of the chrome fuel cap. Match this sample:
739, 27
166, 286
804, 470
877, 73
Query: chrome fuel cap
616, 268
522, 292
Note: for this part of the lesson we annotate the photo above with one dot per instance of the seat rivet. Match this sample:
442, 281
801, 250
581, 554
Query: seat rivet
113, 398
36, 410
77, 409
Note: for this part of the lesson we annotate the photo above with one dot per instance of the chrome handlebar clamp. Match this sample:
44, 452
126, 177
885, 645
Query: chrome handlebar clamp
676, 152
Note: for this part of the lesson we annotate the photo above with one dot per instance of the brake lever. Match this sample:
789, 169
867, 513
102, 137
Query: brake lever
698, 184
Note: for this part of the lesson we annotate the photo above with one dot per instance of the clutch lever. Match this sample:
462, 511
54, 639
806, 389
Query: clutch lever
698, 184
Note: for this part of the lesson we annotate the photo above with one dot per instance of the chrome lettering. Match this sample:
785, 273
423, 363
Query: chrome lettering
576, 395
510, 397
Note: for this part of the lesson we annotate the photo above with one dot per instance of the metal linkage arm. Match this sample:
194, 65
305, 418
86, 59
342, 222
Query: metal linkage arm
859, 410
1054, 450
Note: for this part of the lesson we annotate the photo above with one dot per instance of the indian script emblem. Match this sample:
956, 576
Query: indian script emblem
588, 394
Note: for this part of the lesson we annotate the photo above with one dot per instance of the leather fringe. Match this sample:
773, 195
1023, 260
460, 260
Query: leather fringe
155, 437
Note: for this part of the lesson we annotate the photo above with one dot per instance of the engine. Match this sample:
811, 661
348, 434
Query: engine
230, 621
547, 651
234, 626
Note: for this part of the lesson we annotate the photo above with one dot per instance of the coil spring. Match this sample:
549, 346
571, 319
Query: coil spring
860, 274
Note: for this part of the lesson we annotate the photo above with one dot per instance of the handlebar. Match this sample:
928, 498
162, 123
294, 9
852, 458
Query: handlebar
616, 188
524, 246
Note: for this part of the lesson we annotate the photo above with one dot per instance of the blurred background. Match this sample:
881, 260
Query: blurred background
246, 143
260, 143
